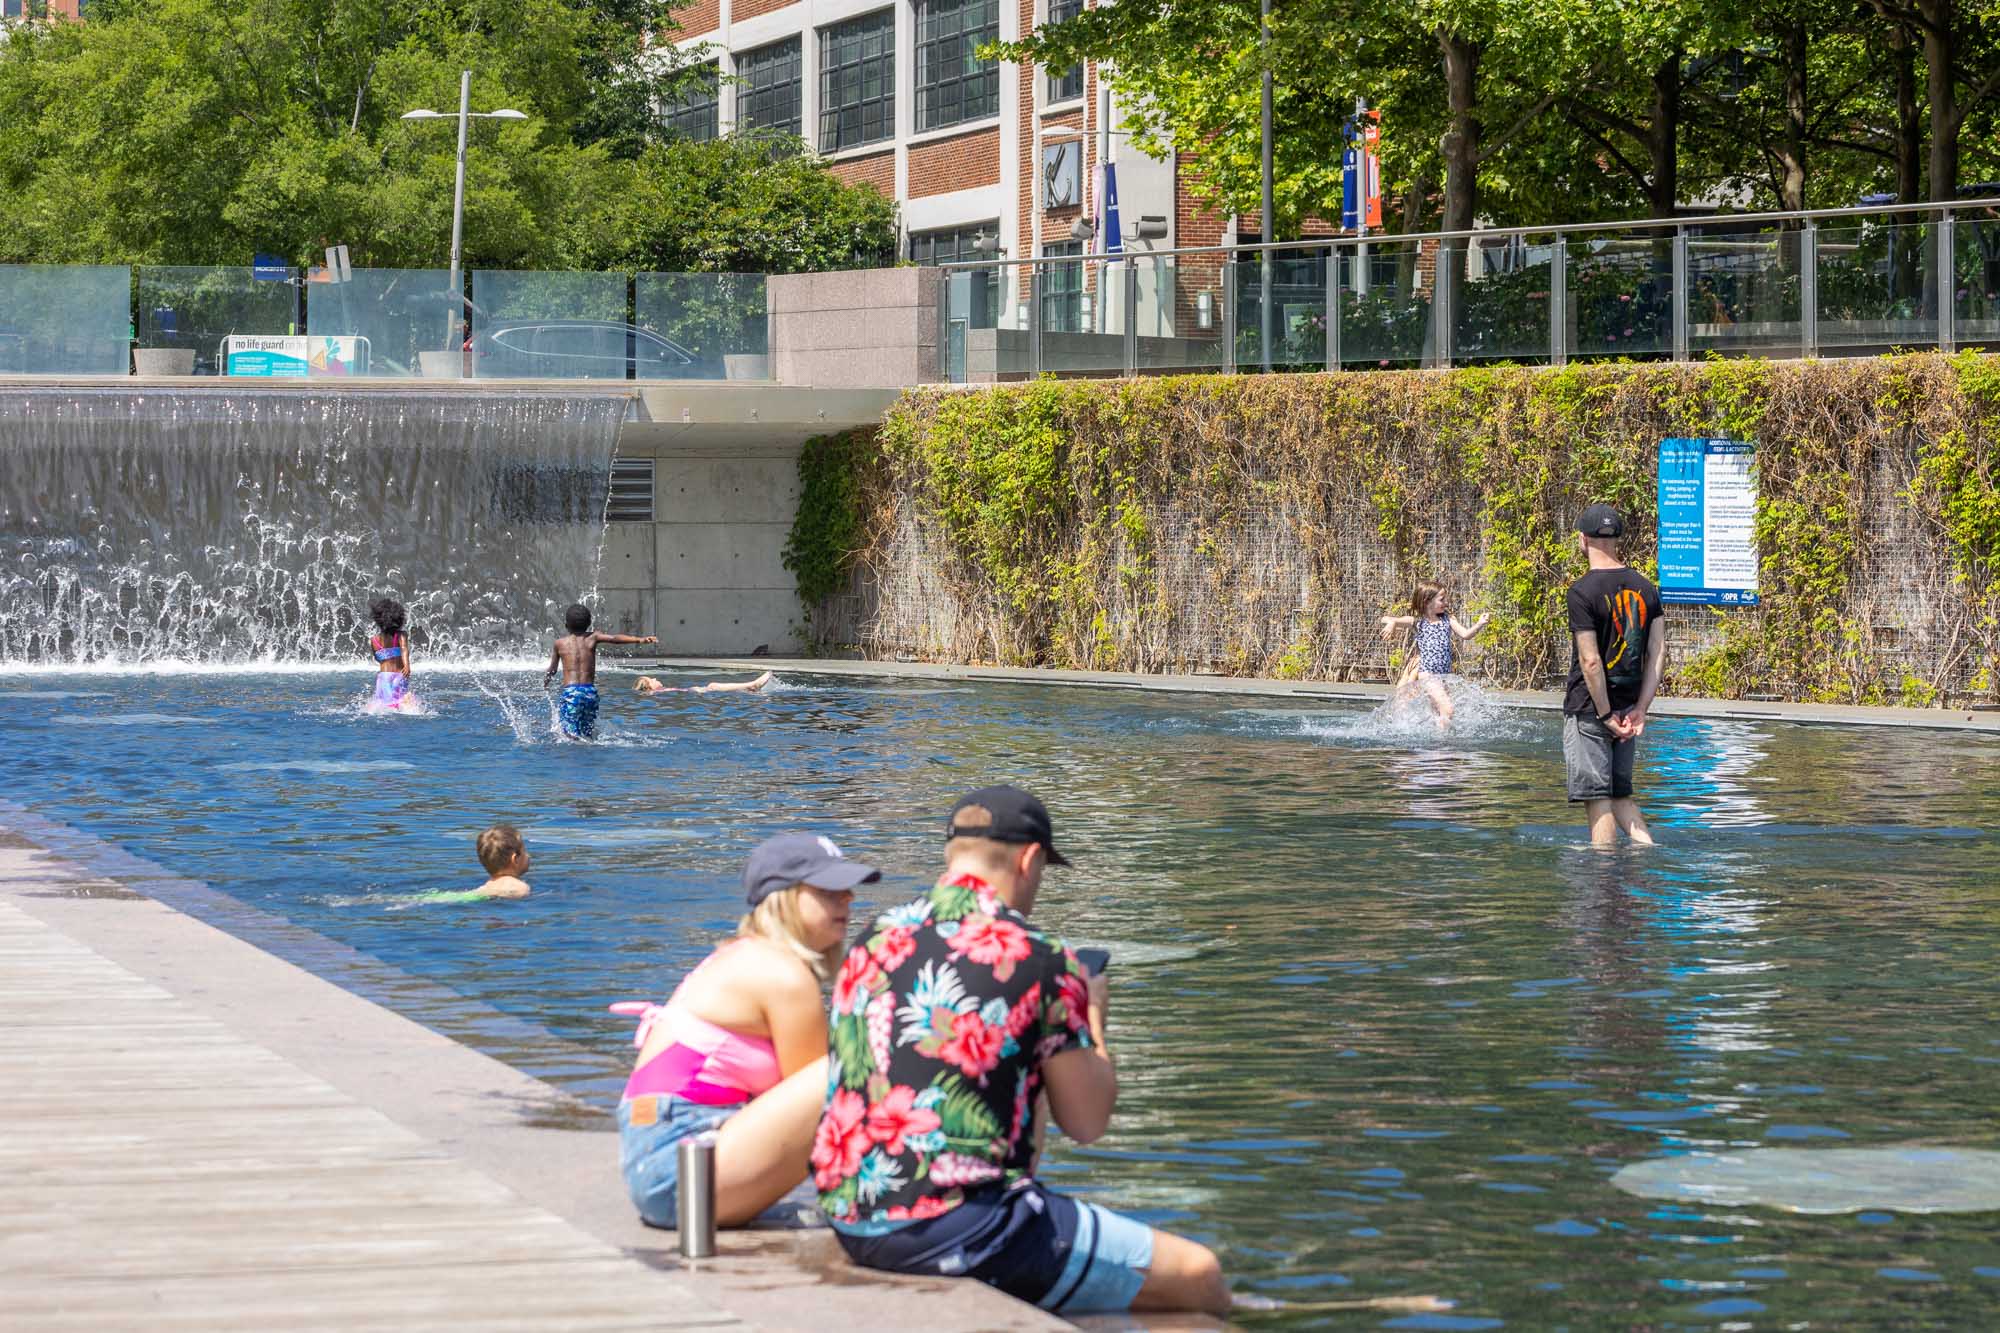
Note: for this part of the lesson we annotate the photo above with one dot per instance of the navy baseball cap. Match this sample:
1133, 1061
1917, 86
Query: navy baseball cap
1600, 521
801, 858
1004, 814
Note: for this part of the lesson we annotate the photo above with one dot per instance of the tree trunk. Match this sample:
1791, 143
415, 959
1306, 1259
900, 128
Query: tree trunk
1940, 49
1460, 150
1792, 143
1663, 182
1909, 118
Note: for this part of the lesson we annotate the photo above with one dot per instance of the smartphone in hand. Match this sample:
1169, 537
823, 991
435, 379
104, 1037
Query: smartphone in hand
1094, 961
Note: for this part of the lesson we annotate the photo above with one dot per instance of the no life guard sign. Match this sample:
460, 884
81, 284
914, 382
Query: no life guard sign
1708, 522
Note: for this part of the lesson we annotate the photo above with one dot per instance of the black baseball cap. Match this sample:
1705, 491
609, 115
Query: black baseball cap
1004, 814
1600, 521
801, 858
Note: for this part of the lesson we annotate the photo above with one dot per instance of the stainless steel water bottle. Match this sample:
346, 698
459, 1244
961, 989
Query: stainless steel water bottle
696, 1212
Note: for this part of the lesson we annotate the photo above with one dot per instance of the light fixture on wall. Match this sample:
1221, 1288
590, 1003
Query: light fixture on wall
1204, 310
1083, 229
1150, 227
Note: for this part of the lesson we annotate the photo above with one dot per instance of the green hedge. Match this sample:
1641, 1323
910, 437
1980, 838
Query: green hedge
1300, 507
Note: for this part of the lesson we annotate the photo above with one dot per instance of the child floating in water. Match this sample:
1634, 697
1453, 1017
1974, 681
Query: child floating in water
505, 857
391, 650
1434, 633
576, 654
651, 685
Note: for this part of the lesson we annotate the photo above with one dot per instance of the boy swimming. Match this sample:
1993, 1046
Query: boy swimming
505, 856
653, 685
576, 654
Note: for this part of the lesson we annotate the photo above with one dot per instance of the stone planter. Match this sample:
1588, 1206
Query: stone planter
441, 365
746, 366
163, 361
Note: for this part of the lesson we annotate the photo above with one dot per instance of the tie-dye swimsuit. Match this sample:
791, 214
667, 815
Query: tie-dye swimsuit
391, 687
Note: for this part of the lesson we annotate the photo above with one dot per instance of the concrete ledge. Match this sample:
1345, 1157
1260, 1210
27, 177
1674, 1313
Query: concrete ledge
1986, 720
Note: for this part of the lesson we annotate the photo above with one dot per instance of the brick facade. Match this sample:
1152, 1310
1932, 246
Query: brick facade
876, 169
750, 9
961, 162
697, 19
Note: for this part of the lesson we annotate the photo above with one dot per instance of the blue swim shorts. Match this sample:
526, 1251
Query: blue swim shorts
1030, 1242
650, 1130
576, 711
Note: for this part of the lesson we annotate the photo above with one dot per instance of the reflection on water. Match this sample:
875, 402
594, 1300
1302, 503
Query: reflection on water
1385, 1025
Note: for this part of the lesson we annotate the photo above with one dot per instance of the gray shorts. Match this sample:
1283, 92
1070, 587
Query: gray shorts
1598, 764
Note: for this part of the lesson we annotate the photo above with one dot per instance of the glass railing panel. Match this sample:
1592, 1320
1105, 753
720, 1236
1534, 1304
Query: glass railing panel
1295, 295
1504, 299
398, 322
969, 311
191, 311
1083, 317
702, 326
1878, 287
1178, 314
1385, 305
1620, 293
65, 319
1743, 293
1002, 353
551, 326
1977, 279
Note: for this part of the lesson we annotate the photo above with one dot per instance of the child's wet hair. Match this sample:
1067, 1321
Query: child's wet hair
1420, 600
577, 618
499, 847
389, 614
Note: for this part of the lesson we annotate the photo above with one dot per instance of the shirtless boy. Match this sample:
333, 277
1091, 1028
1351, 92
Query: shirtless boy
576, 654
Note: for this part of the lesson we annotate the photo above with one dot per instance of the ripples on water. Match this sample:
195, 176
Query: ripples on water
1385, 1026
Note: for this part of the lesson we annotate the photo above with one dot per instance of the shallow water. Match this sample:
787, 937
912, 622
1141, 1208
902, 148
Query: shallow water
1385, 1026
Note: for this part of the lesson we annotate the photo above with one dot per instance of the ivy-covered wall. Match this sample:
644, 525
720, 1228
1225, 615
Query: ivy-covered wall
1260, 525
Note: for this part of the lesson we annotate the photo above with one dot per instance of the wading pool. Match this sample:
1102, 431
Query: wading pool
1385, 1025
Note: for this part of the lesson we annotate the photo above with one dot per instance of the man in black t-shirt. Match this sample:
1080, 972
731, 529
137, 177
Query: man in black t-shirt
1621, 645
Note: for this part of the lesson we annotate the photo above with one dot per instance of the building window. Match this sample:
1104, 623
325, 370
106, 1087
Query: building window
857, 82
767, 88
974, 294
1062, 289
694, 115
1065, 84
953, 84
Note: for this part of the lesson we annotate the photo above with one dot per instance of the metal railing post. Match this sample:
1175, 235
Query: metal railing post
1229, 313
1559, 302
1333, 307
1450, 270
1034, 321
1809, 289
1131, 316
1947, 311
1680, 294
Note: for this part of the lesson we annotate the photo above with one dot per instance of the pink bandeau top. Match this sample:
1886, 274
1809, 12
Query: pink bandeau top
704, 1062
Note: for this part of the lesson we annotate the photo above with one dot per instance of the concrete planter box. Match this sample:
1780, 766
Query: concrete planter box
441, 365
746, 366
163, 361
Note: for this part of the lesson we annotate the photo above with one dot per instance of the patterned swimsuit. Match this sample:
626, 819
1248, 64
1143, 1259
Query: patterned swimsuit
1434, 647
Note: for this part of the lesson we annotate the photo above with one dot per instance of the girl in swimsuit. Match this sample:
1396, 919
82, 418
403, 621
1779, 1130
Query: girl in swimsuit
739, 1050
1434, 634
390, 648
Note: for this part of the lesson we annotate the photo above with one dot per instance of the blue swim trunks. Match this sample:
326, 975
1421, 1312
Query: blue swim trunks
1042, 1247
576, 711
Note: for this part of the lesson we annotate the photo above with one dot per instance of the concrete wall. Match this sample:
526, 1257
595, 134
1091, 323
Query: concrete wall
870, 328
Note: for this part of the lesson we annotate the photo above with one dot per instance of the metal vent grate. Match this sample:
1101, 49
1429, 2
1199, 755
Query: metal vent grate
631, 491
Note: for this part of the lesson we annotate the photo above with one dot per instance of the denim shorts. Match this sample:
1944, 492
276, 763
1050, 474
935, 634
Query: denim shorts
1035, 1245
1597, 764
649, 1153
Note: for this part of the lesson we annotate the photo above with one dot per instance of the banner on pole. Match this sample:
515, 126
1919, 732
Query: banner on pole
1361, 173
1109, 228
1708, 518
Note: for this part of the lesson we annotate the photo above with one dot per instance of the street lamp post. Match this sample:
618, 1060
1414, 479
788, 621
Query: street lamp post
465, 114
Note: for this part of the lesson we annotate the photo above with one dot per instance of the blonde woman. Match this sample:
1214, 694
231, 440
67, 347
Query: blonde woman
740, 1047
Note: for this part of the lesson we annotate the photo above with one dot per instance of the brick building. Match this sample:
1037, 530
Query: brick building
894, 94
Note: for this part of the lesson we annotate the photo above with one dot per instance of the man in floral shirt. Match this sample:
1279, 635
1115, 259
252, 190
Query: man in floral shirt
951, 1017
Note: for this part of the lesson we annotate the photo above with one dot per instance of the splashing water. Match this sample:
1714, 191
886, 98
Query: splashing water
235, 526
1411, 719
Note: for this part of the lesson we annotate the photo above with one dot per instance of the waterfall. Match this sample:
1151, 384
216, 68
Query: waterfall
242, 526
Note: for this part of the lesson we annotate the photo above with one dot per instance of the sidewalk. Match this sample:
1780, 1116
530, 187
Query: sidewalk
1987, 720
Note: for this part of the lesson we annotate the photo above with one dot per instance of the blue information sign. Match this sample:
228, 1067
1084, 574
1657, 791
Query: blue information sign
270, 268
1708, 522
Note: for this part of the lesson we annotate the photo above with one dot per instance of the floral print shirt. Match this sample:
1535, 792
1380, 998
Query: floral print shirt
944, 1012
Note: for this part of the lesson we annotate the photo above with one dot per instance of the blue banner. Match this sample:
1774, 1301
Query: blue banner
1708, 517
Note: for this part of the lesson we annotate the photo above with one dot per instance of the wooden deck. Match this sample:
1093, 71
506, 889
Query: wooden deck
196, 1134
